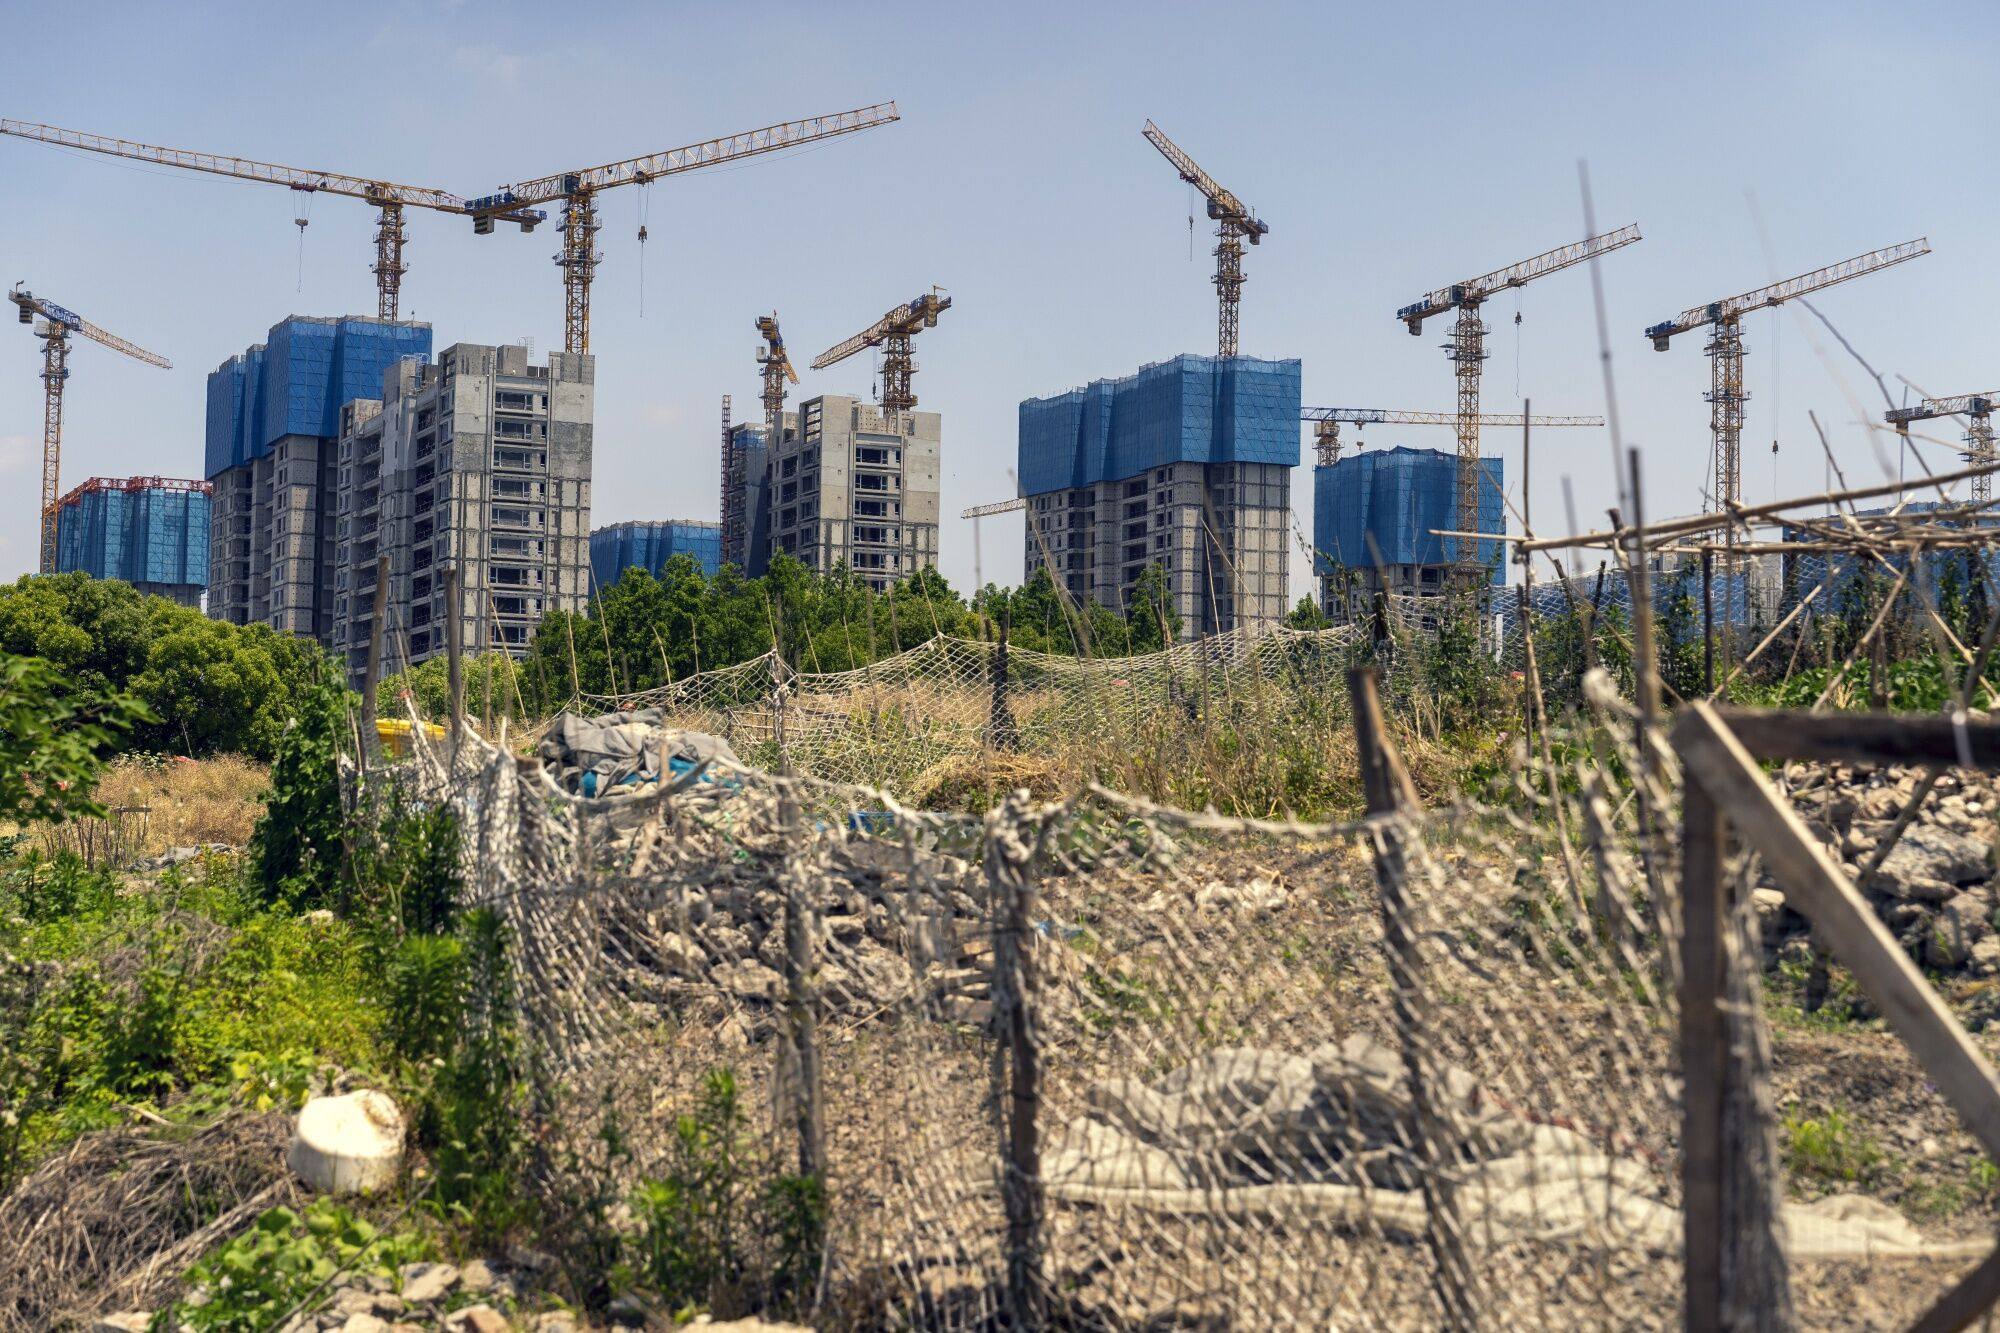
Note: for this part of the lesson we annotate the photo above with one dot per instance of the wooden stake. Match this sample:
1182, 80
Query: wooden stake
371, 740
1703, 1062
1816, 887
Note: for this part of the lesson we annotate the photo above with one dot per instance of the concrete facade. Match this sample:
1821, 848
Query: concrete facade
482, 461
1220, 531
852, 484
271, 536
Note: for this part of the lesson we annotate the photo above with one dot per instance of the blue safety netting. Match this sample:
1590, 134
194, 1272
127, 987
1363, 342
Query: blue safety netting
649, 546
1843, 573
297, 380
1400, 498
146, 535
1192, 409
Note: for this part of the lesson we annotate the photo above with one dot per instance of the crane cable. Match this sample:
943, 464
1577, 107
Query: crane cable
1777, 393
301, 220
645, 200
1517, 342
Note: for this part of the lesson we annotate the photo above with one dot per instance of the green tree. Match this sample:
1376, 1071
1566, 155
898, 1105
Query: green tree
1151, 619
54, 737
1307, 616
296, 848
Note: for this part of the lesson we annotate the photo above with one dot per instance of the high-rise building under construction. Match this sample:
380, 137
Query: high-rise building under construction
856, 485
273, 414
1377, 514
1185, 465
150, 532
481, 462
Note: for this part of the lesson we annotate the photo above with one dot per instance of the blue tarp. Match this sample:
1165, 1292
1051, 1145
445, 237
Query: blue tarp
148, 535
298, 379
1192, 409
649, 546
1400, 497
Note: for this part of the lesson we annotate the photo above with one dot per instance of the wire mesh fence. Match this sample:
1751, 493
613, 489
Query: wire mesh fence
1097, 1062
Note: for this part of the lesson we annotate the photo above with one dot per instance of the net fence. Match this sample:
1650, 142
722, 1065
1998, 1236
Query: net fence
904, 722
1102, 1063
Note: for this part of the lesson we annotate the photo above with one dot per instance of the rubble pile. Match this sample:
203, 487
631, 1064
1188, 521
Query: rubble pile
598, 756
1935, 890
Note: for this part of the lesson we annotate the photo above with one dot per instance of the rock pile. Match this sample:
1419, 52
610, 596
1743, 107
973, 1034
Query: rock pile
1935, 890
881, 935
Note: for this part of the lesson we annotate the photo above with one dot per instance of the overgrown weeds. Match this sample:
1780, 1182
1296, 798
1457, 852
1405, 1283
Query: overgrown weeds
722, 1230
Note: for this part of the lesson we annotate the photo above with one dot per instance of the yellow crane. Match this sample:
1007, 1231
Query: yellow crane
54, 331
1327, 421
388, 198
1467, 348
1234, 223
577, 192
1725, 350
775, 364
1977, 409
892, 333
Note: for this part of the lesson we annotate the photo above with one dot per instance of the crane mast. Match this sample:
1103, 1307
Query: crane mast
892, 333
1977, 409
388, 198
1725, 351
577, 192
1467, 348
1234, 224
54, 330
1327, 421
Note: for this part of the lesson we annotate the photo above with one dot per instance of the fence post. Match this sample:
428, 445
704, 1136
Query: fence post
1702, 1065
371, 741
1011, 895
1001, 730
1708, 621
1390, 792
454, 633
800, 973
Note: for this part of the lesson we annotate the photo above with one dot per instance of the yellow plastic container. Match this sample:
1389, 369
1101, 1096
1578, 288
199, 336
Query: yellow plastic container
395, 734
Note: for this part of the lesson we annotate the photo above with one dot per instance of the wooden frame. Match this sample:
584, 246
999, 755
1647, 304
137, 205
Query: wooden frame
1719, 751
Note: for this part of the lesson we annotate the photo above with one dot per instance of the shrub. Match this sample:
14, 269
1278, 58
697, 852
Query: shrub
252, 1282
1830, 1148
406, 864
476, 1099
424, 986
720, 1229
296, 848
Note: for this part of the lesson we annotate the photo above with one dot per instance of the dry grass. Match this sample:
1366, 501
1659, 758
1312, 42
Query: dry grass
154, 805
112, 1221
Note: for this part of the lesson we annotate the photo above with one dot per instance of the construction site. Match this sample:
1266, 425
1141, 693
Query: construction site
1368, 902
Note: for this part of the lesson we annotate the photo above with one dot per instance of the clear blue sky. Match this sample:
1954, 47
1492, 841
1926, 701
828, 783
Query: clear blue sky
1390, 148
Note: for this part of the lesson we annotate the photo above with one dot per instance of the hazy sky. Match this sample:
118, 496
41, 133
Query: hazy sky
1391, 148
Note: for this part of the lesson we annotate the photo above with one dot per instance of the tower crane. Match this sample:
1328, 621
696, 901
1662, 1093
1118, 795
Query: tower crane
1467, 347
577, 192
1327, 422
1725, 350
54, 330
389, 199
775, 364
892, 333
1234, 223
1977, 409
